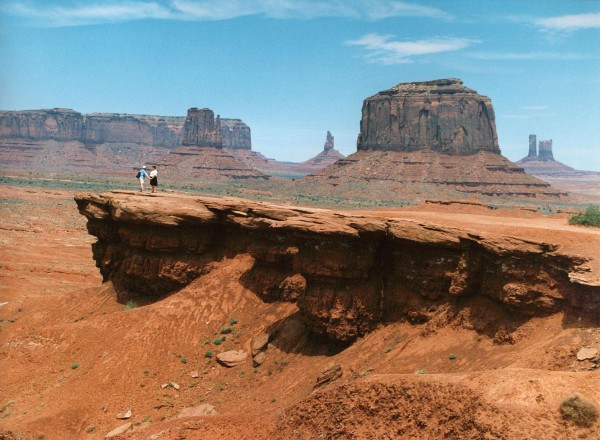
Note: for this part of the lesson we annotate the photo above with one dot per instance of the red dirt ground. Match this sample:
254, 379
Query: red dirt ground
72, 358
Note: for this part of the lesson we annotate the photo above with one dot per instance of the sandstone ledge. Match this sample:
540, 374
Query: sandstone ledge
347, 272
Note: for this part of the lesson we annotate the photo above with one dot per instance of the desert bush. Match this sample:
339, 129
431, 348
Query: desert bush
218, 341
131, 304
208, 354
589, 217
226, 330
582, 412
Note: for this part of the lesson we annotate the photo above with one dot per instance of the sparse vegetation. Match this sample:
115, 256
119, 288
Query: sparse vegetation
226, 330
74, 365
388, 349
131, 304
452, 356
582, 412
422, 371
90, 429
208, 354
218, 341
233, 321
183, 360
589, 217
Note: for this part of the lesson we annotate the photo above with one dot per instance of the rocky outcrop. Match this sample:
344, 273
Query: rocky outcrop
57, 124
347, 273
95, 128
100, 128
441, 115
202, 129
329, 143
235, 134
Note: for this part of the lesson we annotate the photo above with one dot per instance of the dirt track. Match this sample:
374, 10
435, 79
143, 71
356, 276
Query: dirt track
72, 357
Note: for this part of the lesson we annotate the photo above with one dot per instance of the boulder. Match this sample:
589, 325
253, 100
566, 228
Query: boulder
119, 430
259, 343
232, 358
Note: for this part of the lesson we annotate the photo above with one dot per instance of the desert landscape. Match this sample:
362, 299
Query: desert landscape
302, 267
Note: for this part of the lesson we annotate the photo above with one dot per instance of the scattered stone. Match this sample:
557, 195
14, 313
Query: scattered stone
124, 415
232, 358
328, 375
194, 374
260, 343
119, 430
259, 359
204, 409
587, 353
170, 384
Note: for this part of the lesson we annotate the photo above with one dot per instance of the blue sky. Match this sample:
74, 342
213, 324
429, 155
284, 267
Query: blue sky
293, 69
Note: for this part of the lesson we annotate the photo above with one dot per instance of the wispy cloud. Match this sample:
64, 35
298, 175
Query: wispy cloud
525, 56
102, 11
570, 22
533, 107
382, 49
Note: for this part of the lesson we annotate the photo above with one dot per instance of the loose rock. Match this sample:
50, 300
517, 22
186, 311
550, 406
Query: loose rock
232, 358
260, 343
119, 430
328, 375
124, 415
205, 409
259, 359
587, 353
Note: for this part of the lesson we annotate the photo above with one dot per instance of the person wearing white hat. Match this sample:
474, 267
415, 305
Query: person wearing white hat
142, 174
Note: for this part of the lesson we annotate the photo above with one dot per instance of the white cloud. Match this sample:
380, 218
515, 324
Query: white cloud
570, 22
102, 11
90, 13
381, 49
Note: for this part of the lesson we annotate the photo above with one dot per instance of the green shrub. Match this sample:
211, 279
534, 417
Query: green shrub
226, 330
183, 360
74, 365
131, 304
233, 321
452, 356
208, 354
218, 341
589, 217
582, 412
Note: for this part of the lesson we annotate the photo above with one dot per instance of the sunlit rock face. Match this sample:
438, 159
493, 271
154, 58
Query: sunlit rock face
441, 115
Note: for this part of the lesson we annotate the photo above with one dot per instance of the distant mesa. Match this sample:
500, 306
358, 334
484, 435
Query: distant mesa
68, 140
413, 139
441, 115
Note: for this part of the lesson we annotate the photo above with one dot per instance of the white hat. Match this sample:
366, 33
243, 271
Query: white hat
144, 166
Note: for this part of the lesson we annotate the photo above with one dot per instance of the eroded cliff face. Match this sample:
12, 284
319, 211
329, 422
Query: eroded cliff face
99, 128
347, 273
441, 115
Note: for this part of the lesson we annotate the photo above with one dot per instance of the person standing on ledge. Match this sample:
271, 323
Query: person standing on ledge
142, 174
154, 179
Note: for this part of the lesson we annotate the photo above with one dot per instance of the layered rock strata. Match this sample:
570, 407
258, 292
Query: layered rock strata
236, 134
441, 115
425, 174
348, 273
202, 129
98, 128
